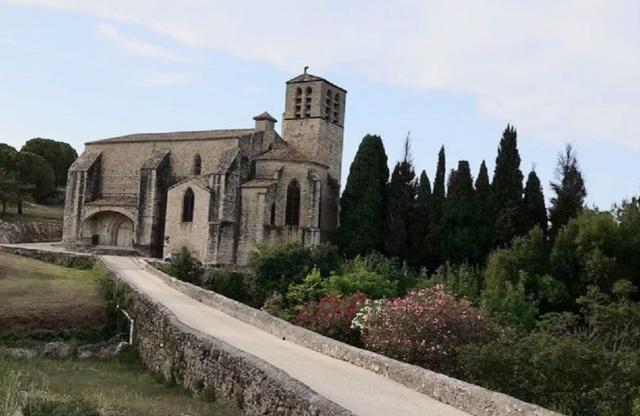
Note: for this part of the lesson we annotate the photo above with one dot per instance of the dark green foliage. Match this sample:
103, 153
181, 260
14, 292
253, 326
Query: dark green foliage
585, 252
507, 189
570, 191
484, 213
229, 283
364, 281
535, 211
363, 202
439, 193
391, 269
184, 267
278, 266
59, 155
420, 251
459, 225
34, 170
463, 280
400, 207
583, 369
7, 154
326, 258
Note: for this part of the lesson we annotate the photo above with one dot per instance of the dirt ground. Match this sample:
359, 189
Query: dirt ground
35, 295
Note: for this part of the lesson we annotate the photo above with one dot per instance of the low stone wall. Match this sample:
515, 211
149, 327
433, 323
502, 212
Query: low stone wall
213, 369
461, 395
29, 232
76, 261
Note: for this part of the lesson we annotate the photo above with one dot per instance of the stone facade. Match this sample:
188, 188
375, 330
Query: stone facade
221, 193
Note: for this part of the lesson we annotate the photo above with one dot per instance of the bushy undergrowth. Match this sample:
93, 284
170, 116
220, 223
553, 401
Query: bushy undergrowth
427, 327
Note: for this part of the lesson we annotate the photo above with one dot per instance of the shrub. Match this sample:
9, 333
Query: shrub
332, 316
184, 267
229, 283
391, 269
426, 328
278, 266
369, 283
463, 280
512, 305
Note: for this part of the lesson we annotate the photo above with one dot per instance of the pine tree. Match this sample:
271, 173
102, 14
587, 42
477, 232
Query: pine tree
535, 211
459, 221
570, 191
364, 200
507, 189
424, 189
402, 197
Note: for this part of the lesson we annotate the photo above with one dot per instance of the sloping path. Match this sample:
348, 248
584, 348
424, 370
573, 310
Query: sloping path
356, 389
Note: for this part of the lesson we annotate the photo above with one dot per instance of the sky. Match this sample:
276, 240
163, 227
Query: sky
444, 72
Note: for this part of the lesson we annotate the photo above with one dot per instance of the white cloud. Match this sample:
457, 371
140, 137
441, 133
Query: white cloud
13, 43
558, 69
138, 47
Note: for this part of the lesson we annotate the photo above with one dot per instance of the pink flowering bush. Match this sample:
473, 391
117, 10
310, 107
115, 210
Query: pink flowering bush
331, 316
425, 328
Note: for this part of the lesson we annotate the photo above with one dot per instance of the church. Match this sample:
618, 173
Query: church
220, 193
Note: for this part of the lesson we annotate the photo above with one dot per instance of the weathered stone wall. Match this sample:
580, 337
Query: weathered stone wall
29, 232
214, 369
121, 162
192, 235
461, 395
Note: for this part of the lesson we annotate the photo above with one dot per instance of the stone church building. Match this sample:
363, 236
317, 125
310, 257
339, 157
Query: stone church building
221, 193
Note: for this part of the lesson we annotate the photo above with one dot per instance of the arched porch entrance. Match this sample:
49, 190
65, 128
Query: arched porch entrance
109, 228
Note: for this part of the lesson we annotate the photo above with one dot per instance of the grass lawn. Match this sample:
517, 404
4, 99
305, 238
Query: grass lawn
35, 295
33, 212
130, 388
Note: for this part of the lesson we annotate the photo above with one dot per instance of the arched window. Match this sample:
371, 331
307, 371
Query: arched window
336, 107
328, 103
187, 206
197, 164
292, 216
273, 214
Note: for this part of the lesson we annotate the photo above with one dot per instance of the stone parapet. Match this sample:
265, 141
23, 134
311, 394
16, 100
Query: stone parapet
213, 369
459, 394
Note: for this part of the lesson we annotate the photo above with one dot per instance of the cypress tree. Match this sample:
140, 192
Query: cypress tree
438, 196
507, 189
364, 200
459, 221
570, 191
401, 203
535, 211
485, 214
420, 229
483, 187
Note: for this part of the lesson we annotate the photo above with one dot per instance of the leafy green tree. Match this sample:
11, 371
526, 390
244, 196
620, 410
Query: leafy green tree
400, 206
585, 253
570, 191
507, 189
35, 171
185, 266
7, 153
277, 267
60, 156
364, 200
535, 211
460, 221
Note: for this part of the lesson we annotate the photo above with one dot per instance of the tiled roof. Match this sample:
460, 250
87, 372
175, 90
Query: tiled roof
185, 135
259, 183
287, 154
311, 78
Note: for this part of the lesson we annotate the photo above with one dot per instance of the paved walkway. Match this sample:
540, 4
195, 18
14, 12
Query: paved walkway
356, 389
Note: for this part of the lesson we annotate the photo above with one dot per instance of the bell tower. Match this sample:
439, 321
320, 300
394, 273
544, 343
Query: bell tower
313, 121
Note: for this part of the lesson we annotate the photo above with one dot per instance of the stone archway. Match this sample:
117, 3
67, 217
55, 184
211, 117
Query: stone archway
109, 228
